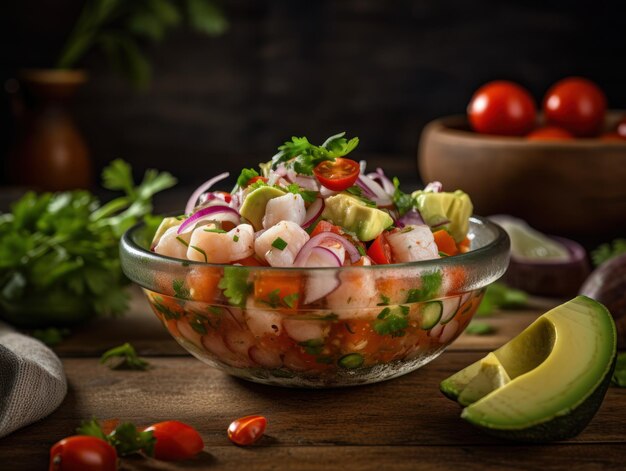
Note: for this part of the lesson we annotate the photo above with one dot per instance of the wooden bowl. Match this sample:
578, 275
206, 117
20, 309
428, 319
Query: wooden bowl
572, 188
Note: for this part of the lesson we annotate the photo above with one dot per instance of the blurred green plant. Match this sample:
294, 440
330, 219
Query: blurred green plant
119, 26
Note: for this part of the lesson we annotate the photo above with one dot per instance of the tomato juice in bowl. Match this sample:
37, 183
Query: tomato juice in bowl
421, 308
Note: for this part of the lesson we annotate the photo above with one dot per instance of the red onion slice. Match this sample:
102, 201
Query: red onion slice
191, 203
380, 177
313, 212
321, 284
305, 251
435, 187
226, 214
411, 218
378, 194
308, 183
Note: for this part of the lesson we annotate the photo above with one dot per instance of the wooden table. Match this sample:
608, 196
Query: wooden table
400, 424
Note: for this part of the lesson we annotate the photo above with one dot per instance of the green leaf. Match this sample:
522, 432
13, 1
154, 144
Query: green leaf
206, 17
127, 440
479, 328
431, 284
165, 11
608, 251
180, 291
118, 176
403, 201
50, 336
92, 428
499, 295
392, 321
126, 357
245, 176
619, 375
146, 25
235, 285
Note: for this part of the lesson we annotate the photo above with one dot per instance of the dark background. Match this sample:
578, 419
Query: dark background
377, 69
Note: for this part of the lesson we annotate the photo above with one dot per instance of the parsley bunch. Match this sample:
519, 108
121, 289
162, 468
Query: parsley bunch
59, 259
303, 156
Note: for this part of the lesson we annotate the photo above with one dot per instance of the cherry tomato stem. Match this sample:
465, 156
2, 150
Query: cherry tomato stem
247, 430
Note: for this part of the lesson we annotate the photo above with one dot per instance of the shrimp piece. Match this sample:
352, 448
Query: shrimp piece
356, 292
289, 207
221, 247
173, 245
289, 232
301, 330
261, 321
413, 243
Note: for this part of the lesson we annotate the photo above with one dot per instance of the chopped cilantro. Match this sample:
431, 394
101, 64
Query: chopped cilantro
245, 176
431, 282
179, 289
128, 358
182, 241
313, 346
307, 195
290, 299
235, 285
303, 156
403, 201
157, 302
197, 324
360, 249
216, 230
198, 249
279, 243
235, 238
356, 191
384, 300
392, 321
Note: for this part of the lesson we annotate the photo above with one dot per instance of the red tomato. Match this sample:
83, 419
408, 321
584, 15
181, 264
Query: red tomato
227, 197
82, 453
325, 226
549, 133
502, 108
247, 430
256, 179
175, 440
621, 128
576, 104
380, 251
337, 175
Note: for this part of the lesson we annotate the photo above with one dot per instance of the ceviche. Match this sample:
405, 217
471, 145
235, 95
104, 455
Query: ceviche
307, 269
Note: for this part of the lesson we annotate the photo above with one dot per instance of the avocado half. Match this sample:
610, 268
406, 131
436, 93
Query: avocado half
547, 383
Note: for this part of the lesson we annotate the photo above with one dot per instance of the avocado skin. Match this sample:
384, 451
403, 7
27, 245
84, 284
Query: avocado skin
558, 428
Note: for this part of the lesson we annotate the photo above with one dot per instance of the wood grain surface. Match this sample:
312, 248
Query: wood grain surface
401, 424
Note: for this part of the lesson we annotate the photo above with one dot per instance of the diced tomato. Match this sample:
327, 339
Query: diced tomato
202, 283
464, 245
256, 179
380, 251
273, 288
325, 226
445, 242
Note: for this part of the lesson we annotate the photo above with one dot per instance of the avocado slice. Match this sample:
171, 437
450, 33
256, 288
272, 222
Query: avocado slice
437, 208
253, 207
545, 384
355, 216
166, 223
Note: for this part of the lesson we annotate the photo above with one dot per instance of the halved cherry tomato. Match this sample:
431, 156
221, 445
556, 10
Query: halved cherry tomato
247, 430
550, 133
337, 175
576, 104
256, 179
82, 453
445, 242
380, 251
175, 440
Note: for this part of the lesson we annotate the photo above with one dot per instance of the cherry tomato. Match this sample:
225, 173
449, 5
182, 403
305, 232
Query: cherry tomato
575, 104
175, 440
325, 226
247, 430
502, 108
337, 175
549, 133
380, 251
82, 453
621, 128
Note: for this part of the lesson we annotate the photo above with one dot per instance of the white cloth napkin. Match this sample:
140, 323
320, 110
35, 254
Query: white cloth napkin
32, 380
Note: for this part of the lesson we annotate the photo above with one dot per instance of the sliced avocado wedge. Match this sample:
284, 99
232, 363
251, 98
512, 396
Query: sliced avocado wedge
353, 215
253, 207
166, 223
545, 384
445, 210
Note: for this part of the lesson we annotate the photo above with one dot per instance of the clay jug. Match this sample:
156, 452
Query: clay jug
49, 152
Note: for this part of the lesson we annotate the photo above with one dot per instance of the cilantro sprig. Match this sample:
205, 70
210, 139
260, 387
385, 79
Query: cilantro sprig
124, 357
392, 321
59, 251
608, 251
235, 285
125, 438
303, 156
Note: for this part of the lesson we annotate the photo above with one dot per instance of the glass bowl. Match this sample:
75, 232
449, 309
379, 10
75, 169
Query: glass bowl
381, 321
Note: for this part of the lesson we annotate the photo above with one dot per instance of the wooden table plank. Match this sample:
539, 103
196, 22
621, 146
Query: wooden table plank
400, 415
